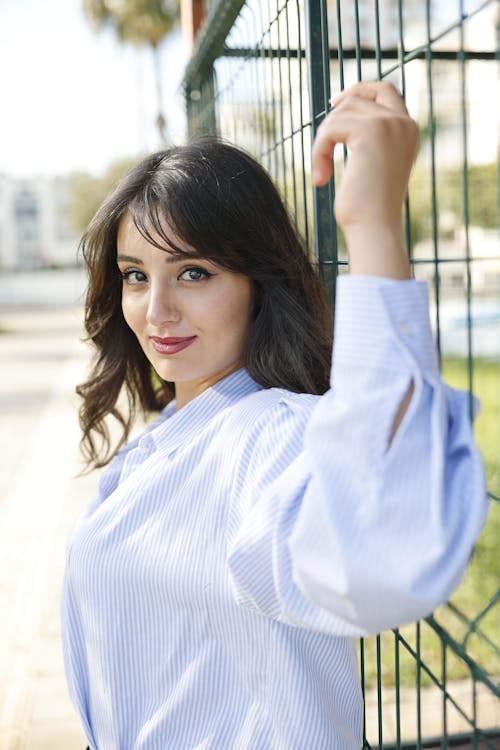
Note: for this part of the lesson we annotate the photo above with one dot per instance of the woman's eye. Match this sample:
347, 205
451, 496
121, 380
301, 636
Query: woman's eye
133, 276
194, 274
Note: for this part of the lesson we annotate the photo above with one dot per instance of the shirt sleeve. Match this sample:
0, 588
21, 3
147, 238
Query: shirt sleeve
356, 534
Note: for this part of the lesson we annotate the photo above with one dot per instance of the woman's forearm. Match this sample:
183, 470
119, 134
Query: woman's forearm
377, 251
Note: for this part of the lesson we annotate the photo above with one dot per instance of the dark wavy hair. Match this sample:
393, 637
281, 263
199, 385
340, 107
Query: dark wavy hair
220, 202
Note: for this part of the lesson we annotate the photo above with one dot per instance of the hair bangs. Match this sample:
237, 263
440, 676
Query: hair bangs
155, 223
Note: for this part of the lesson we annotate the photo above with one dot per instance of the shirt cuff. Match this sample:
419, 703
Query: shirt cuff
382, 323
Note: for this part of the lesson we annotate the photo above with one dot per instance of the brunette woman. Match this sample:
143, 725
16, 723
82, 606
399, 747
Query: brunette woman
269, 515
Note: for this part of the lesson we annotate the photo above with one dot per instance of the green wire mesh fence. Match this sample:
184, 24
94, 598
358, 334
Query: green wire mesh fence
261, 75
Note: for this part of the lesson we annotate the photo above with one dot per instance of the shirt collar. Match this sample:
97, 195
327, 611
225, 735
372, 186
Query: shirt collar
177, 427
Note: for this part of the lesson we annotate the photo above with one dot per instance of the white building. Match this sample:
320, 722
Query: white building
34, 226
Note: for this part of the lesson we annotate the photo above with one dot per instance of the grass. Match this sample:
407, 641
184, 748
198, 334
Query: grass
481, 581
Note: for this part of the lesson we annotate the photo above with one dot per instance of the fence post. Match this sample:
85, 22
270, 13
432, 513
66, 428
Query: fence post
200, 104
318, 72
199, 77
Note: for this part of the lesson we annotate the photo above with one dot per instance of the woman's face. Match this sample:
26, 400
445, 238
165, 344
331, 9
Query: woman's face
190, 316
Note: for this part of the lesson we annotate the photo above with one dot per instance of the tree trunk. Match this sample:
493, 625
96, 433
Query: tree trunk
161, 123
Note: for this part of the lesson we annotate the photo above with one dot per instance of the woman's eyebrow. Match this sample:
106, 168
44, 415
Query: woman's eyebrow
179, 257
128, 259
169, 258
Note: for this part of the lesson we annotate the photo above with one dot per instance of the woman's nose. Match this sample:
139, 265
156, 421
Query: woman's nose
162, 308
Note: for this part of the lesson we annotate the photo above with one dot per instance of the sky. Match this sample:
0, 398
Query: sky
72, 99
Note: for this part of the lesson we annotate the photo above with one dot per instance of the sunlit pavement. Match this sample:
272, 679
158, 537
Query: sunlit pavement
41, 360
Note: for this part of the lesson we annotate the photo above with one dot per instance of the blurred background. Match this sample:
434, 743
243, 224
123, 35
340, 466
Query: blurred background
83, 94
87, 87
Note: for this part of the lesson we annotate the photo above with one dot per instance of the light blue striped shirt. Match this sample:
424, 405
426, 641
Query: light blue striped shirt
215, 587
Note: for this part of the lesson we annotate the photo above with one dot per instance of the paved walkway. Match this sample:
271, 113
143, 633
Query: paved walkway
41, 360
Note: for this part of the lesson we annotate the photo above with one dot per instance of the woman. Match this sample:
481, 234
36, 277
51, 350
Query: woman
238, 546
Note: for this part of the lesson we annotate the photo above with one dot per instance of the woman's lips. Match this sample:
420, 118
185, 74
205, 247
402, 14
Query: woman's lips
172, 344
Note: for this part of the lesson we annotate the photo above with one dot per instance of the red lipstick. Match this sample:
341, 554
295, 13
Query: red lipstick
172, 344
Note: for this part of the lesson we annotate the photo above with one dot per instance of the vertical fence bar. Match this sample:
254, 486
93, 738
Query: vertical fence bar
401, 60
301, 115
359, 72
270, 99
379, 696
432, 144
340, 58
281, 105
363, 689
378, 52
318, 69
397, 689
340, 46
418, 667
273, 93
254, 64
200, 104
444, 738
264, 103
465, 183
474, 713
290, 104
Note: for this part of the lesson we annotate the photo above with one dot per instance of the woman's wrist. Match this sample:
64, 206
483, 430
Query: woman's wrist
377, 251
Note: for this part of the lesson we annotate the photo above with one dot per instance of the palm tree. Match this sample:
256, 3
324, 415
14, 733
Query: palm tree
141, 22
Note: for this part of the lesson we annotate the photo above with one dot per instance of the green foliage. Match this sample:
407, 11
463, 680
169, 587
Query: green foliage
483, 576
483, 197
485, 385
136, 21
87, 192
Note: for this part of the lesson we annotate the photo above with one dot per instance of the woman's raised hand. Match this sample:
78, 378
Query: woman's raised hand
371, 119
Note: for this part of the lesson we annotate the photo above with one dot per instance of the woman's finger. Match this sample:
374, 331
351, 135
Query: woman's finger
381, 92
339, 126
323, 148
378, 101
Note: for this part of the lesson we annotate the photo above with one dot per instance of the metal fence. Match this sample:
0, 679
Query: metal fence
261, 75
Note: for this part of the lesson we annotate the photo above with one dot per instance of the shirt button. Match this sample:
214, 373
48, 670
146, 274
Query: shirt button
405, 328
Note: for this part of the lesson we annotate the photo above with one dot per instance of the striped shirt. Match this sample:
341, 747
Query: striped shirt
215, 587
